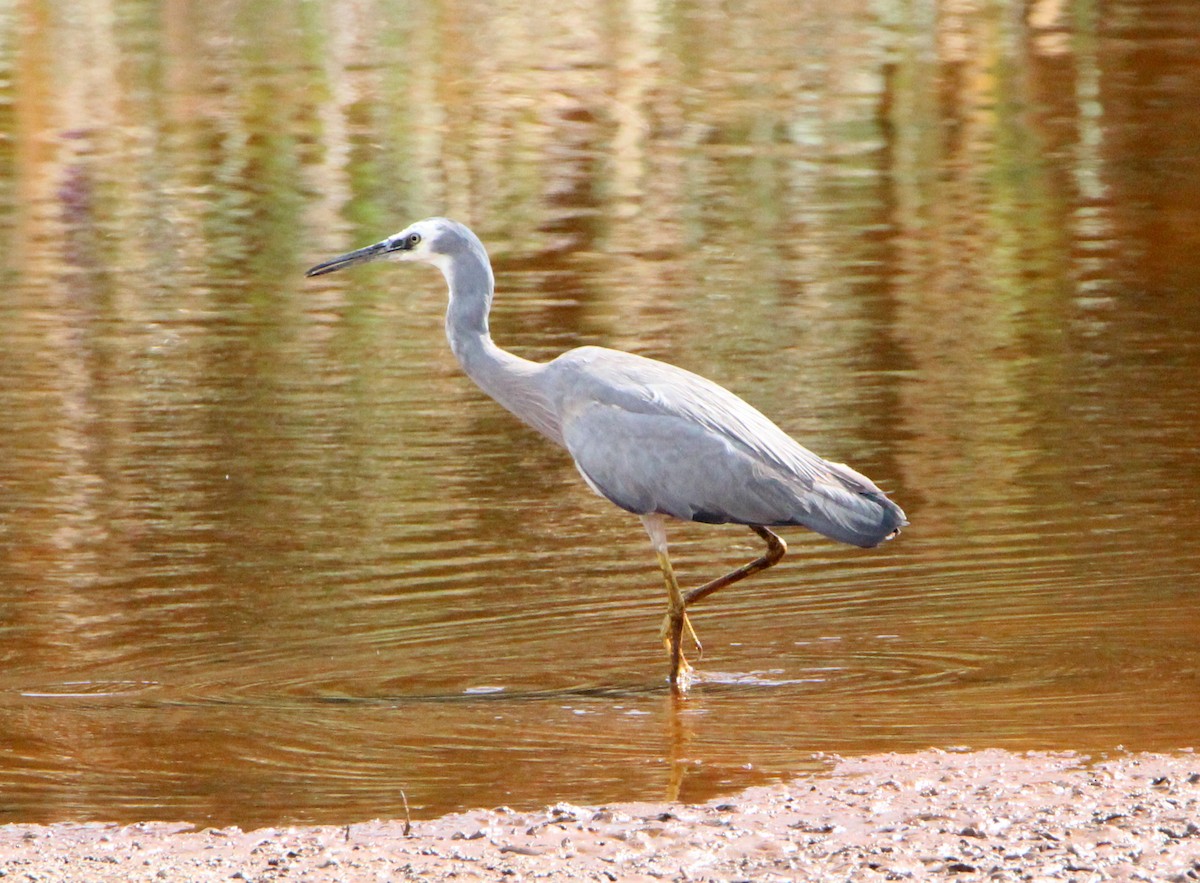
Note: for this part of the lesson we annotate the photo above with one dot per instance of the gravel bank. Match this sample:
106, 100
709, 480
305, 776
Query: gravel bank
963, 816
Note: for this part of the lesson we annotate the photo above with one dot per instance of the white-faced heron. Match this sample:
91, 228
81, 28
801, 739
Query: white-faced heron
656, 440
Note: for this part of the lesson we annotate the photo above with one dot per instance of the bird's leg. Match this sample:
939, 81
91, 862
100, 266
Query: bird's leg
673, 626
676, 619
675, 601
776, 548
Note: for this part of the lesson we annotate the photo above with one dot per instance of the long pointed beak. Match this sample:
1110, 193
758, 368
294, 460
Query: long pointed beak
350, 258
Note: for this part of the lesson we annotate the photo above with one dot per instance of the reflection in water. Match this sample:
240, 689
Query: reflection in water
265, 555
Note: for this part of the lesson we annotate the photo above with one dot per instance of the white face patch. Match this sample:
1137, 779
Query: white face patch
428, 233
441, 261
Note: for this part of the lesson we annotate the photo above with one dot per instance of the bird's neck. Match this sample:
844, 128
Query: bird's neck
517, 384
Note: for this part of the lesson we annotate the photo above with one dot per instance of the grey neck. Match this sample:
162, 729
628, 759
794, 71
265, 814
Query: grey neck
517, 384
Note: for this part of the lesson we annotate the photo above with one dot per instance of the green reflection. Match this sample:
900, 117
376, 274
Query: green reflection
953, 244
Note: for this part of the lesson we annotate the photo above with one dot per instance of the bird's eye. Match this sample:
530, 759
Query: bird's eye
413, 239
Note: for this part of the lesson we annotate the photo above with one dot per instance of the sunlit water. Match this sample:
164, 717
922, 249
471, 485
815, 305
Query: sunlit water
267, 556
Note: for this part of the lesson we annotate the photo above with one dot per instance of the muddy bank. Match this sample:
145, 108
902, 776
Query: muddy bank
988, 815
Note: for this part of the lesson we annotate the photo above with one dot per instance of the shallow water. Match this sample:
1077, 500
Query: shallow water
267, 556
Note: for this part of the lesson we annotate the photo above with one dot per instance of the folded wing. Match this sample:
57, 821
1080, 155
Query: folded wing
651, 437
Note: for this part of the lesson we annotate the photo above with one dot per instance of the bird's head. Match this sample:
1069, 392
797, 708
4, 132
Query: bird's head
434, 241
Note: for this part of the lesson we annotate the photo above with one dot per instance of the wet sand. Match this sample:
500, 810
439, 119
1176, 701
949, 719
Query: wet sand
963, 816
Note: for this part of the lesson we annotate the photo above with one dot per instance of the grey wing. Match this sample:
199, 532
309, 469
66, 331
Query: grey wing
647, 462
653, 461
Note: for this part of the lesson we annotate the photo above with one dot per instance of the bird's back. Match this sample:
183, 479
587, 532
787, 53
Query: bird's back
652, 437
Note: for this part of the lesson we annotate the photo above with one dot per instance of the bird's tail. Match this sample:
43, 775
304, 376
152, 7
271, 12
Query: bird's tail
848, 507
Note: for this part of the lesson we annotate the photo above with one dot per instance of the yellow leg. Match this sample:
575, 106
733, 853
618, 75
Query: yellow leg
676, 619
674, 623
676, 601
776, 549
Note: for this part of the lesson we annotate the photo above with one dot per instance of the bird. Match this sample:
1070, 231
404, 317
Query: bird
656, 440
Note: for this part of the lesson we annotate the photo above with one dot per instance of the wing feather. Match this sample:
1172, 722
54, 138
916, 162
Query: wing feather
655, 438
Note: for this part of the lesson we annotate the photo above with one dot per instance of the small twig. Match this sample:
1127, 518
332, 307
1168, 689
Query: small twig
407, 817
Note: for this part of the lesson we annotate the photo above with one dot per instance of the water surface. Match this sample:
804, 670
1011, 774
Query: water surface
267, 556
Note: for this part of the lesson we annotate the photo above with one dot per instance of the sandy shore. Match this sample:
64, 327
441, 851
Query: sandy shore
988, 815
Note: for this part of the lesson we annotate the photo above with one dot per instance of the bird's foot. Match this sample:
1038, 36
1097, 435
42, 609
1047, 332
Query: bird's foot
691, 632
668, 628
674, 625
681, 676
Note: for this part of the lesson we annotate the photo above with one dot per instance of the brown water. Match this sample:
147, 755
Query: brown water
267, 556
